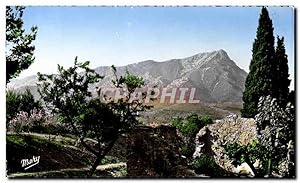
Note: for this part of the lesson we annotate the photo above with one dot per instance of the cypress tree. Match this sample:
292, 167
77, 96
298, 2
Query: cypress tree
259, 81
282, 81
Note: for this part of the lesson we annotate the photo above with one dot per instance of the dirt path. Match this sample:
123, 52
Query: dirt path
223, 112
110, 166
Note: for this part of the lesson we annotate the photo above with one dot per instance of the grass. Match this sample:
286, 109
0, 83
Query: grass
59, 158
17, 139
36, 138
103, 171
56, 153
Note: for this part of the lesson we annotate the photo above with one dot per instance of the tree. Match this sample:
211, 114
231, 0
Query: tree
275, 127
16, 102
259, 81
282, 80
291, 97
67, 94
19, 49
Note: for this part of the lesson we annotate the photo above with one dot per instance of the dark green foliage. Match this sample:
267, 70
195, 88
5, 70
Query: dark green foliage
282, 81
205, 120
261, 75
249, 153
177, 122
109, 160
268, 73
12, 104
189, 127
16, 102
28, 103
187, 149
68, 95
252, 150
206, 164
19, 48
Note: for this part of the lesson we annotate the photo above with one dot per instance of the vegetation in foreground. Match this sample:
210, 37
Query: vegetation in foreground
61, 156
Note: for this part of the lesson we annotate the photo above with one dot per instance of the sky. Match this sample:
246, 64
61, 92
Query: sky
124, 35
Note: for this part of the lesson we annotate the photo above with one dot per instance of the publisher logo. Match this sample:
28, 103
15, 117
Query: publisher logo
28, 163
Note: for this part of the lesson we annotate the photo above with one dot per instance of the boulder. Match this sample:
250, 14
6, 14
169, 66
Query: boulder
244, 170
154, 152
212, 138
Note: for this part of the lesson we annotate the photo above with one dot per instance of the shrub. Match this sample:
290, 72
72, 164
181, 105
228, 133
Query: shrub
187, 149
16, 102
123, 172
109, 160
250, 152
177, 122
37, 121
206, 164
188, 128
276, 128
18, 123
12, 104
205, 120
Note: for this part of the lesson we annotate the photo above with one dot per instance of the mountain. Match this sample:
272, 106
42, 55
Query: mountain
214, 75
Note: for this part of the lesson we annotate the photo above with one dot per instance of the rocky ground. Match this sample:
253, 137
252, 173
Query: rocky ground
63, 157
212, 138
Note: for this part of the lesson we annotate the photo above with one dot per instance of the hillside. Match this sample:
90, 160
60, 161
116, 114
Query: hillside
214, 75
59, 157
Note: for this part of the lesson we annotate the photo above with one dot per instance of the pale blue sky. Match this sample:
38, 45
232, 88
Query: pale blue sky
123, 35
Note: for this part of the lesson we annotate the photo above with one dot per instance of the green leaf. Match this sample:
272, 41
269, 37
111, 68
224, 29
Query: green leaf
86, 63
114, 68
76, 60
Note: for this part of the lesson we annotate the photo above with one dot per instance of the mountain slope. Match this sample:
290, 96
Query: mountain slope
214, 75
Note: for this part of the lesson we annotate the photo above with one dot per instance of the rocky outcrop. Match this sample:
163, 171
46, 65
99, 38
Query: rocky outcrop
211, 139
154, 152
203, 142
244, 169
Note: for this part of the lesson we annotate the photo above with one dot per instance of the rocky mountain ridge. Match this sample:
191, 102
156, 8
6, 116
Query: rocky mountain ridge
214, 75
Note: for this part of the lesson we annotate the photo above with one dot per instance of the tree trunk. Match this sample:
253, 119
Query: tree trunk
269, 173
96, 163
100, 156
